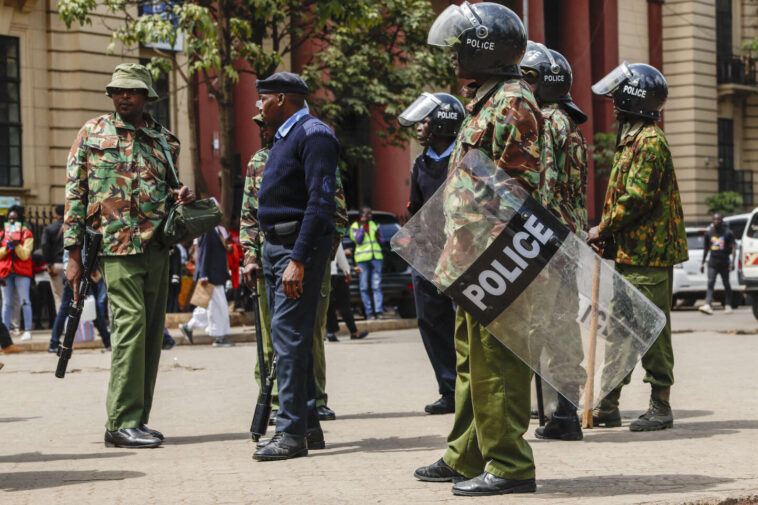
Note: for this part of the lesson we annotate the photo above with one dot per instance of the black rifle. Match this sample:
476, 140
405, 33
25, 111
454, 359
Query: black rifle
92, 241
263, 407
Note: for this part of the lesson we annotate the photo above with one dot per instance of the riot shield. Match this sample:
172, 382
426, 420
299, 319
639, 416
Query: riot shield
534, 285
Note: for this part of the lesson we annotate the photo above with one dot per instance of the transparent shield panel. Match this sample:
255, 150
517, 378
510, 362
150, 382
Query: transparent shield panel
539, 289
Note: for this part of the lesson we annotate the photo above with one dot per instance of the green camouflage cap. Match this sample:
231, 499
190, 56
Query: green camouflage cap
130, 76
258, 119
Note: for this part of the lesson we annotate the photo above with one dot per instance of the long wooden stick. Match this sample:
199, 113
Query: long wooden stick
589, 388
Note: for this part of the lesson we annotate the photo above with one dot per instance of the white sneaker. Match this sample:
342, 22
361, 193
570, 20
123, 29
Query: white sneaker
705, 309
728, 309
26, 336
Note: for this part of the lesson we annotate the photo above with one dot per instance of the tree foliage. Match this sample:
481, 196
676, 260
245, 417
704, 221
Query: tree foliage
725, 203
374, 70
604, 150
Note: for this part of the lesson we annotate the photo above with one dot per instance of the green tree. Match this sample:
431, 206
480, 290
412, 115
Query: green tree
725, 203
372, 71
604, 150
221, 39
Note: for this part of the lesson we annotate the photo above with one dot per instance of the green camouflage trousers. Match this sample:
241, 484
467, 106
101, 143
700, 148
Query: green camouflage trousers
137, 287
492, 406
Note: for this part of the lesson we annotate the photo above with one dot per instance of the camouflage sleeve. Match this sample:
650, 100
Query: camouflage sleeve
77, 192
578, 182
250, 238
549, 175
516, 142
340, 215
640, 189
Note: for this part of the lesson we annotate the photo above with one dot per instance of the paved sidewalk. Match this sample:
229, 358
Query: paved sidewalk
52, 451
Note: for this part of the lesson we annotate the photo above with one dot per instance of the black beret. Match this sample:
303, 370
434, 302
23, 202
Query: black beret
282, 82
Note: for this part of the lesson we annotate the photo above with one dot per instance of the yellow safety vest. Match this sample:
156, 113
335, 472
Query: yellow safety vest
370, 249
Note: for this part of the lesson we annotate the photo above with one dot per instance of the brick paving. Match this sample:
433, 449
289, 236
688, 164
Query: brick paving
51, 431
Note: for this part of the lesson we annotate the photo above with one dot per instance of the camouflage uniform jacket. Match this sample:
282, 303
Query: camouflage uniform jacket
507, 128
643, 210
117, 183
250, 236
563, 182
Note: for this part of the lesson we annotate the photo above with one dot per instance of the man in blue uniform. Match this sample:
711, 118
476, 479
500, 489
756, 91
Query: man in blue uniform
438, 118
295, 210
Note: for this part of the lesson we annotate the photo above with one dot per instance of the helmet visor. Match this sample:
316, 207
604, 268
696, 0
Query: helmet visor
419, 109
451, 24
608, 84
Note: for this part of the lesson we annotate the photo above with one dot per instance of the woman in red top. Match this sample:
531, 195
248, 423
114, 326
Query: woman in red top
16, 243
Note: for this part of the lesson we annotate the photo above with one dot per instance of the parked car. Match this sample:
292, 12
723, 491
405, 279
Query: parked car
690, 284
397, 284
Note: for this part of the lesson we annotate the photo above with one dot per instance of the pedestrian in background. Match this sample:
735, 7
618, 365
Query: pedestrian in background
438, 118
340, 299
16, 271
368, 256
720, 241
52, 250
211, 268
125, 160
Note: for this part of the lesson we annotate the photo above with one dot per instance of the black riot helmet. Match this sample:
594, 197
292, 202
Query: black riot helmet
490, 38
551, 73
637, 89
445, 113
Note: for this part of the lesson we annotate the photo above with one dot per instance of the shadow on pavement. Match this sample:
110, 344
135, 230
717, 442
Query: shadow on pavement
25, 481
681, 430
16, 419
37, 457
390, 444
615, 485
383, 415
202, 439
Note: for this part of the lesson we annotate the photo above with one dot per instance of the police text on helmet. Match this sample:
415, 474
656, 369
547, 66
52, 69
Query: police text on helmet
480, 44
444, 114
554, 78
631, 90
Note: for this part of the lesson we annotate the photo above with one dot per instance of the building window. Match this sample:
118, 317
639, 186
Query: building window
740, 181
160, 109
723, 30
10, 114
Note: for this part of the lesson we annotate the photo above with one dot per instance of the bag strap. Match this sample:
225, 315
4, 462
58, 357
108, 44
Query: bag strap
167, 154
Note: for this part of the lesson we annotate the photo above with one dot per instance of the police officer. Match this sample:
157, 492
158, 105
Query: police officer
562, 190
642, 225
438, 118
252, 242
486, 452
112, 155
295, 211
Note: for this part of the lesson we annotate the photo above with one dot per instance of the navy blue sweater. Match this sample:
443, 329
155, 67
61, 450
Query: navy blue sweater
299, 183
427, 176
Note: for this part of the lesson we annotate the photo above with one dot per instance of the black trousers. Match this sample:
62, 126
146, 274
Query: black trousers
713, 272
340, 299
5, 336
436, 323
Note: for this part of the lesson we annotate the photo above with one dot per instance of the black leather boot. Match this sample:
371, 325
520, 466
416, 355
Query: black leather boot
607, 413
658, 415
133, 438
439, 471
315, 440
563, 425
487, 484
282, 446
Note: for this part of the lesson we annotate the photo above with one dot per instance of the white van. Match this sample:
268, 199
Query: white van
748, 259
